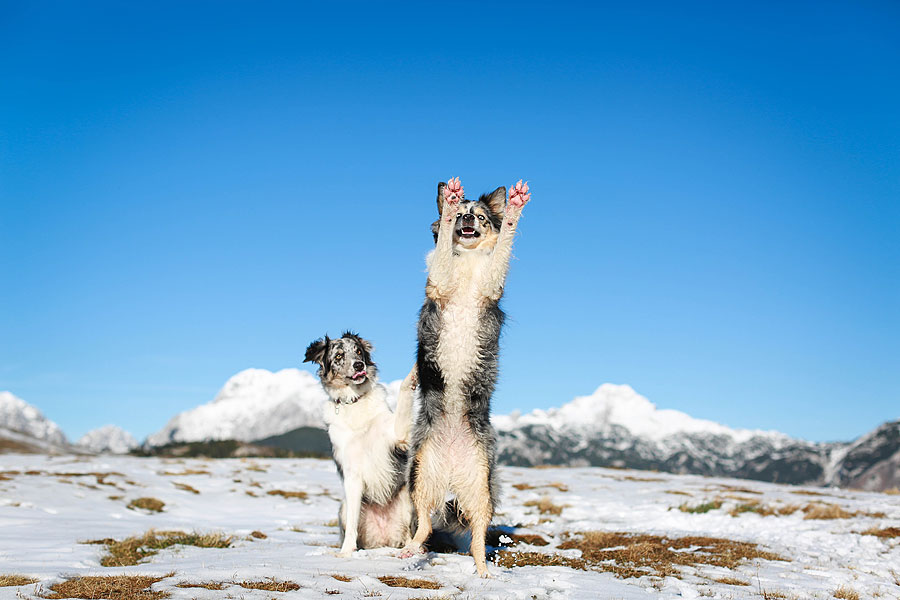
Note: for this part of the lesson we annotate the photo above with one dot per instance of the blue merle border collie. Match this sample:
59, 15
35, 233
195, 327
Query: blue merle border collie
453, 442
369, 443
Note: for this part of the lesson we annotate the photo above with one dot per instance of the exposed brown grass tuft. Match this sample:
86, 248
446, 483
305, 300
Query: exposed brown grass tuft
892, 491
185, 487
556, 484
14, 580
628, 555
343, 578
823, 510
528, 538
764, 510
210, 585
116, 587
258, 535
131, 551
508, 559
186, 472
406, 582
808, 493
287, 494
699, 509
270, 585
731, 581
678, 493
545, 506
646, 479
846, 593
887, 532
151, 504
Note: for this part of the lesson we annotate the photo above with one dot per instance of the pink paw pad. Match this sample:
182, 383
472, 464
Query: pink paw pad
453, 191
519, 194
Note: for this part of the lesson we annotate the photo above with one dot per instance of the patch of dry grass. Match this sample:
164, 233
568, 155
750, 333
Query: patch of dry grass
846, 593
343, 578
678, 493
270, 585
556, 484
133, 550
645, 479
210, 585
258, 535
406, 582
545, 506
731, 581
186, 472
808, 493
892, 491
116, 587
185, 487
764, 510
823, 510
887, 532
628, 555
699, 509
532, 539
150, 504
14, 580
287, 494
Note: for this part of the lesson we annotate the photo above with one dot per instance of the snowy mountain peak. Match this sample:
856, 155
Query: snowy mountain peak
614, 405
253, 404
108, 439
18, 415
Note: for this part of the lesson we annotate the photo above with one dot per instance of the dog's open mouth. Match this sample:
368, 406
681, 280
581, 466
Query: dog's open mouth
468, 232
359, 376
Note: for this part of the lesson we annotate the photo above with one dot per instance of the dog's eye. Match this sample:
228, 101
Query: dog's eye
481, 217
358, 351
339, 356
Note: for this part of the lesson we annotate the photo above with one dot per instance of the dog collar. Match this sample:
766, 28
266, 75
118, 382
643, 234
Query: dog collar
338, 402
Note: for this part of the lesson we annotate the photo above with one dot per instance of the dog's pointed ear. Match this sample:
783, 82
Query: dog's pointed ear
440, 196
315, 352
497, 201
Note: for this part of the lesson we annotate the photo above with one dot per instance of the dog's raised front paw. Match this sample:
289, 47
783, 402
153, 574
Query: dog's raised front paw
453, 193
518, 196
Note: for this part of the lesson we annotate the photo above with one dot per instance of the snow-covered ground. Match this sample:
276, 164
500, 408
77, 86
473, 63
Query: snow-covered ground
49, 505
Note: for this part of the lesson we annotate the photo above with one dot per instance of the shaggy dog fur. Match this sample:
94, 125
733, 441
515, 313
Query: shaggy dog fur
369, 443
453, 442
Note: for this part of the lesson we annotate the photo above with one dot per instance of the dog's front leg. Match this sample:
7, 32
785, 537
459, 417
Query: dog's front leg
440, 271
403, 415
492, 287
353, 491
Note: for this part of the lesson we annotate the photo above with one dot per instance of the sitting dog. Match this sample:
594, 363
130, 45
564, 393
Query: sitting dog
369, 443
453, 442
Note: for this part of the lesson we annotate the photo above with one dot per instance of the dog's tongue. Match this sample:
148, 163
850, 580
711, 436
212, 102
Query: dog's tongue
359, 374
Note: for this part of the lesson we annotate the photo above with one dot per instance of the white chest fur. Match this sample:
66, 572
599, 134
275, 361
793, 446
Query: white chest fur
362, 438
458, 343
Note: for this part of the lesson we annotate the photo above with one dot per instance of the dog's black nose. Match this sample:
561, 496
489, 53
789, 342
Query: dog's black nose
468, 218
359, 365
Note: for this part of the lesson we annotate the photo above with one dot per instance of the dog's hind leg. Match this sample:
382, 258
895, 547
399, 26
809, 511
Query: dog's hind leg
474, 497
428, 483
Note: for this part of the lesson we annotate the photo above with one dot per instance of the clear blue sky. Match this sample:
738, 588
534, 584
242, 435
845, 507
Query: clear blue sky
191, 189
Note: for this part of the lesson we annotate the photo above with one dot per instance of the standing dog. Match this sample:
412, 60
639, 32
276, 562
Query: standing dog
458, 333
369, 443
